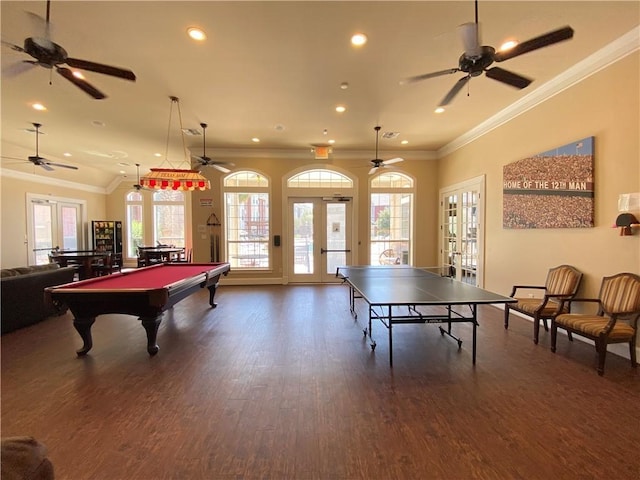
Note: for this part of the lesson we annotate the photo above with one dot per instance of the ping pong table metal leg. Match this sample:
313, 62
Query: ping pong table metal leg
390, 327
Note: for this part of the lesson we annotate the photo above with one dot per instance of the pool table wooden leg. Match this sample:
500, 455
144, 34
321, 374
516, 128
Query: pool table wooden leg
83, 327
151, 325
212, 293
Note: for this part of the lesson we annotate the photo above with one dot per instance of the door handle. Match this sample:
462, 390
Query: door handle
322, 250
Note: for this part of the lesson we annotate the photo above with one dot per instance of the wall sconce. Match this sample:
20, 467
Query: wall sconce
628, 206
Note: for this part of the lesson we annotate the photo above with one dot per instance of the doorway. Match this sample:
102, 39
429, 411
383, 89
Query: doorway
462, 231
53, 222
320, 236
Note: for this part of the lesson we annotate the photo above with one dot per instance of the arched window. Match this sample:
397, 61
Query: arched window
169, 217
246, 213
391, 219
135, 222
319, 178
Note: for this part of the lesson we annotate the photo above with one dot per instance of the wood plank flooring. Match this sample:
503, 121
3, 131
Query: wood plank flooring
278, 382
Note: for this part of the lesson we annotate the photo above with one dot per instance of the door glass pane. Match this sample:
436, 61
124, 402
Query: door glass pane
450, 227
70, 228
43, 232
468, 237
336, 236
303, 237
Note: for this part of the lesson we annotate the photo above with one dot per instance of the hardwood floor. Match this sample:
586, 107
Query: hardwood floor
278, 382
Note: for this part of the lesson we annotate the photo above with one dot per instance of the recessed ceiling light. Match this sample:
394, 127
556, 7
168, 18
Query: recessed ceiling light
38, 106
197, 34
439, 110
122, 172
341, 109
66, 154
404, 142
332, 142
344, 85
157, 154
255, 140
358, 39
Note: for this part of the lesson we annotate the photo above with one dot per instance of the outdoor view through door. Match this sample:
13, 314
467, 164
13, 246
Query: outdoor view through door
319, 219
321, 238
53, 222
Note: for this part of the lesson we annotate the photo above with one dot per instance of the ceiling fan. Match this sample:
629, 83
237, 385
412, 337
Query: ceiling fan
137, 185
207, 161
42, 162
376, 162
50, 55
477, 58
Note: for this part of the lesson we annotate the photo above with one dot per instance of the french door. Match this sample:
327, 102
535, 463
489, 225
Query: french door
320, 238
462, 231
53, 223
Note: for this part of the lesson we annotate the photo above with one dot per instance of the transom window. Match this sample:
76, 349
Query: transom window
319, 178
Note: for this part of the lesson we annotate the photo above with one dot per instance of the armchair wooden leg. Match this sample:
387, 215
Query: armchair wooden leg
632, 352
554, 335
601, 347
536, 329
506, 317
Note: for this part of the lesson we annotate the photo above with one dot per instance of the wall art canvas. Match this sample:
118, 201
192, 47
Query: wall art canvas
553, 189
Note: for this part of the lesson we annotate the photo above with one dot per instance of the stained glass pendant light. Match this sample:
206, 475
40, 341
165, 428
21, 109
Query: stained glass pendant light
174, 178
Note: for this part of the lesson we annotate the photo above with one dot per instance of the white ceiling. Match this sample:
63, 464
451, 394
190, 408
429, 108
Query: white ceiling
272, 70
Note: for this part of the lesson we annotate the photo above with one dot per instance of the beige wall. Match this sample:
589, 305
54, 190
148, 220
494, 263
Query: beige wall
14, 214
424, 171
606, 106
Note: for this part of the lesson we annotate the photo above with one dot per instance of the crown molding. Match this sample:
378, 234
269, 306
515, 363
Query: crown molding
615, 51
30, 177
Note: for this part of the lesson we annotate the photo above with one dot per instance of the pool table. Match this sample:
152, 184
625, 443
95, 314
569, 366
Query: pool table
145, 292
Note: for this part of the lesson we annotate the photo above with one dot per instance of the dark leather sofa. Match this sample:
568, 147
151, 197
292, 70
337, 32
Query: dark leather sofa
22, 294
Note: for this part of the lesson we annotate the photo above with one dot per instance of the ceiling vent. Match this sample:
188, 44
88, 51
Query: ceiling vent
390, 135
192, 132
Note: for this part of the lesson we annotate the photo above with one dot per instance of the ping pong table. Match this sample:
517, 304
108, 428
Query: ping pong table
402, 294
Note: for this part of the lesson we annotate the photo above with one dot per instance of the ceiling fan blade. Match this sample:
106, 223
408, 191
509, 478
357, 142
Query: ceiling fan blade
12, 46
470, 35
510, 78
100, 68
17, 69
80, 83
454, 91
391, 161
373, 170
419, 78
39, 161
559, 35
61, 165
221, 168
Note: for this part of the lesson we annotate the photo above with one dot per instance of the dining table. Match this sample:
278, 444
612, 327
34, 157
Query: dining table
83, 259
159, 254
